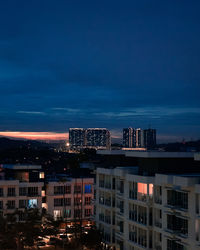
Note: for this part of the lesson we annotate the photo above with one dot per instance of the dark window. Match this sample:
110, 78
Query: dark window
1, 204
77, 213
177, 224
88, 212
87, 200
11, 204
1, 192
22, 191
23, 203
11, 191
32, 191
77, 189
177, 199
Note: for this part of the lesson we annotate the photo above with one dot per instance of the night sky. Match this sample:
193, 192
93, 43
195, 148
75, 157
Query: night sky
110, 64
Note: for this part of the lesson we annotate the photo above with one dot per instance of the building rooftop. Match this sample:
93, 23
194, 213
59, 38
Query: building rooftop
20, 167
147, 154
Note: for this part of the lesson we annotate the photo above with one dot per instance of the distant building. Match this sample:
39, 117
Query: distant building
139, 138
149, 138
98, 138
128, 137
76, 137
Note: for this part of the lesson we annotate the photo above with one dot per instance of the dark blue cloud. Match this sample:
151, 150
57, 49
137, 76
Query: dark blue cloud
106, 64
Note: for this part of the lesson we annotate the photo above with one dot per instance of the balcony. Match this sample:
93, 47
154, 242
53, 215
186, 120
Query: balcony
101, 200
142, 219
158, 224
142, 197
108, 219
101, 217
158, 200
108, 202
133, 237
132, 195
107, 185
133, 215
101, 184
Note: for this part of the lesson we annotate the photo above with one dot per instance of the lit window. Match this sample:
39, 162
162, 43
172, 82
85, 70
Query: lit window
41, 175
150, 189
142, 188
88, 188
32, 203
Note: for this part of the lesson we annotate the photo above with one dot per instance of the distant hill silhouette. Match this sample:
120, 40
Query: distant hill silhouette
6, 143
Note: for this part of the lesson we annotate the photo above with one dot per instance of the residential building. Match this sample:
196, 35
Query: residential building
24, 186
76, 137
158, 211
139, 138
97, 138
71, 199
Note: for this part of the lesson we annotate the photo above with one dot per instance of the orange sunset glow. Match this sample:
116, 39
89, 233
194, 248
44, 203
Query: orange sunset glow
50, 136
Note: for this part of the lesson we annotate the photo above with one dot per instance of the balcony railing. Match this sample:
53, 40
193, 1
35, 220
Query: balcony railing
142, 197
158, 224
133, 236
158, 200
108, 202
101, 184
108, 185
133, 215
133, 195
108, 219
101, 217
142, 219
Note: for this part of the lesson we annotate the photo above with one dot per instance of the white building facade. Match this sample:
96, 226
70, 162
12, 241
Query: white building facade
160, 212
70, 199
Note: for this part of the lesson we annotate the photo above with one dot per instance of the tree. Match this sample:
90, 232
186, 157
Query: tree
92, 239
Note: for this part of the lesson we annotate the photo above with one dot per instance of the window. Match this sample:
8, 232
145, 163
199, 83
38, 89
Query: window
32, 203
1, 204
88, 188
77, 189
88, 212
11, 204
177, 224
22, 191
58, 202
41, 175
77, 201
57, 214
11, 191
1, 192
62, 189
23, 203
32, 191
87, 200
67, 213
178, 199
67, 201
77, 213
171, 245
68, 189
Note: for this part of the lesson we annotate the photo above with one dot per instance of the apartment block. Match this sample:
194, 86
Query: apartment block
25, 186
95, 138
71, 199
136, 212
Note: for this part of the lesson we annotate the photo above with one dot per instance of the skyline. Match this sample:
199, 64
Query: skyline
107, 64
